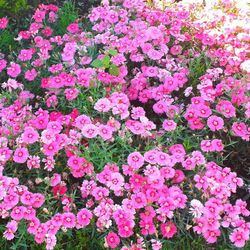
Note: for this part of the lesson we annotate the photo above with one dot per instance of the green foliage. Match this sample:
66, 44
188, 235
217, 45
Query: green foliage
13, 7
66, 15
198, 66
106, 63
7, 42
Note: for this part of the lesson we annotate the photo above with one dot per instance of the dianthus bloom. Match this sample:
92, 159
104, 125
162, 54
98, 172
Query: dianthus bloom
21, 155
90, 131
169, 125
30, 135
69, 220
11, 228
239, 237
168, 229
215, 122
73, 28
103, 105
112, 240
135, 160
3, 23
14, 69
83, 217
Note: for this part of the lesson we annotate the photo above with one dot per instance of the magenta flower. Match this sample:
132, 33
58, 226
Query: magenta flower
83, 217
30, 135
14, 69
3, 23
168, 229
21, 155
215, 123
69, 220
112, 240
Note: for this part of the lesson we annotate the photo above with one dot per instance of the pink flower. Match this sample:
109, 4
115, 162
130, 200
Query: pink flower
69, 220
83, 217
25, 55
151, 156
33, 162
3, 23
176, 49
135, 127
27, 198
139, 200
89, 131
17, 213
189, 163
3, 64
137, 112
125, 228
226, 108
239, 129
112, 240
11, 228
30, 75
179, 176
81, 121
50, 240
55, 180
30, 135
155, 54
215, 122
14, 69
51, 149
73, 28
135, 160
71, 93
38, 200
116, 181
169, 125
39, 16
211, 235
21, 155
217, 145
105, 131
112, 16
168, 229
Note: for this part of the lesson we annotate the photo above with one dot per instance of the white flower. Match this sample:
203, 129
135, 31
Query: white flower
196, 208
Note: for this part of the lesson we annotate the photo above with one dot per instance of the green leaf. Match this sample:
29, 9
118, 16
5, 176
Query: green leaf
114, 70
106, 61
97, 63
113, 52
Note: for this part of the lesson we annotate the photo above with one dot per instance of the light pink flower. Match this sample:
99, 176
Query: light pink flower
169, 125
135, 160
11, 228
89, 131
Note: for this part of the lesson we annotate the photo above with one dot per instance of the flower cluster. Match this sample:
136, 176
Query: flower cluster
133, 138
